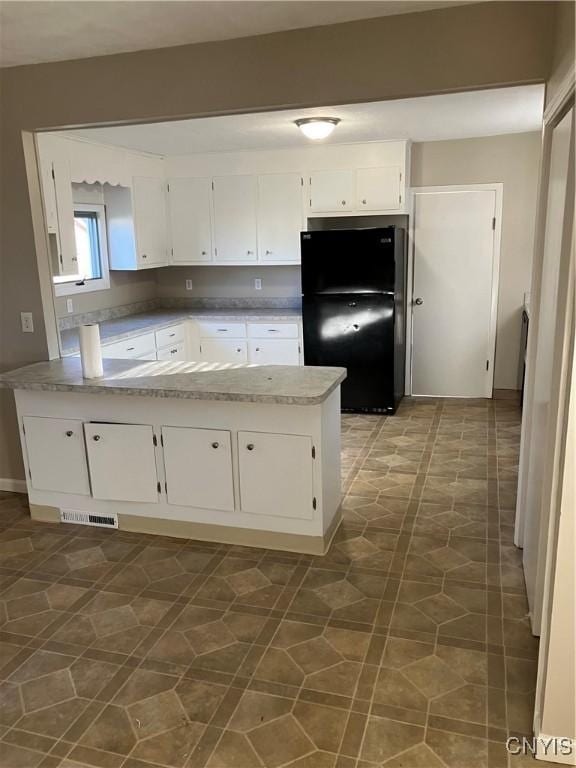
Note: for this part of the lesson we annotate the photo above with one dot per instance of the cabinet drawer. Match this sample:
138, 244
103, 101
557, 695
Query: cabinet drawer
198, 465
276, 474
274, 352
170, 336
137, 346
176, 352
273, 330
224, 351
122, 461
56, 455
211, 330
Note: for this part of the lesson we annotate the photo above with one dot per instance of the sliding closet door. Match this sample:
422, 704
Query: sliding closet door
534, 498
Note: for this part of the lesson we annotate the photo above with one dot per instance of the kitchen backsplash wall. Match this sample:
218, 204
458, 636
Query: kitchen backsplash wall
229, 282
125, 288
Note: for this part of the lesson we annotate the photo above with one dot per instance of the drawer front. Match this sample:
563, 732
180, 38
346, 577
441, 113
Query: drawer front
211, 330
175, 352
169, 336
138, 346
273, 330
224, 351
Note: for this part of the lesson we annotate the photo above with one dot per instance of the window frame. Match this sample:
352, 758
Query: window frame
64, 287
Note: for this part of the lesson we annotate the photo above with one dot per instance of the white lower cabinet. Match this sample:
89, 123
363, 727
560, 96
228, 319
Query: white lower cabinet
198, 465
274, 352
122, 462
223, 351
177, 352
56, 455
276, 474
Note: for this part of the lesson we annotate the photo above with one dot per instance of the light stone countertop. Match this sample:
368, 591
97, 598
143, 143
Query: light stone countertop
272, 384
133, 325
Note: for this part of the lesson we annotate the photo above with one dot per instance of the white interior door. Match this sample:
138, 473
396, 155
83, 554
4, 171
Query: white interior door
453, 308
536, 508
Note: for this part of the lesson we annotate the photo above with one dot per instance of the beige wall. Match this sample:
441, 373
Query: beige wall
563, 53
397, 56
229, 282
513, 160
125, 288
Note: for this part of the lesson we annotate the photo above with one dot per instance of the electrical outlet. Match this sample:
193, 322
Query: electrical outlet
257, 283
188, 285
27, 322
69, 306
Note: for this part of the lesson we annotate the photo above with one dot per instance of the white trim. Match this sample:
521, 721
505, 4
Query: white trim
63, 287
498, 189
564, 93
11, 484
32, 163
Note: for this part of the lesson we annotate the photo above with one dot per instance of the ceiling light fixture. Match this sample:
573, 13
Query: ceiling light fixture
317, 127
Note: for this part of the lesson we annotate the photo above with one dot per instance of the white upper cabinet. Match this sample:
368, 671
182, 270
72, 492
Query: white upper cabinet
378, 189
136, 217
235, 219
332, 191
190, 220
150, 220
280, 218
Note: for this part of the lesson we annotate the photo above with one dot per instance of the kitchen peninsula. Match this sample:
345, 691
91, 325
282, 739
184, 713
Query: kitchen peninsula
243, 454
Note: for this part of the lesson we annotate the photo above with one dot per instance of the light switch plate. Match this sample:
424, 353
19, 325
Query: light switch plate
69, 306
27, 322
188, 285
257, 283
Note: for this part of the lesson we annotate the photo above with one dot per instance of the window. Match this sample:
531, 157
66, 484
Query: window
89, 270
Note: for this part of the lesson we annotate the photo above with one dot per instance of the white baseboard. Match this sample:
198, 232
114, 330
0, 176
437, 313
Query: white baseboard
10, 484
556, 749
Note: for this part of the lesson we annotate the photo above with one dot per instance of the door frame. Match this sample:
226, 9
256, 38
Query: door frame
498, 189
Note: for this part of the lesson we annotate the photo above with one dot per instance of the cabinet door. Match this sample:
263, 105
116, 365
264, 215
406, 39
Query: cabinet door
274, 352
276, 474
189, 203
279, 217
65, 213
223, 351
122, 462
176, 352
378, 189
198, 465
56, 455
235, 218
150, 221
332, 191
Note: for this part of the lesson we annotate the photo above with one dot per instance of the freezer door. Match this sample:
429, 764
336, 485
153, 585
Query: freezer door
348, 261
357, 333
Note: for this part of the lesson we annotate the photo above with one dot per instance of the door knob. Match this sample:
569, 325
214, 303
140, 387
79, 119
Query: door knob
418, 301
250, 446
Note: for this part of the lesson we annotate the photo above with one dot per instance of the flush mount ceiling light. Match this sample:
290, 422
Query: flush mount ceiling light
317, 127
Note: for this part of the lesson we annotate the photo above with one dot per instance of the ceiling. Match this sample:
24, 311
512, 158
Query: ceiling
429, 118
33, 32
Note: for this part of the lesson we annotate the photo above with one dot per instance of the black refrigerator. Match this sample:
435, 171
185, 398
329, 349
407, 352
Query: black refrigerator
354, 313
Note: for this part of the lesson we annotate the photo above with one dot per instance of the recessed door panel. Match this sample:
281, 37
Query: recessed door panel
56, 455
198, 465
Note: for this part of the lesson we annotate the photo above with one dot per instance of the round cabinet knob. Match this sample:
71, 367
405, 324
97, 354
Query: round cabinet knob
250, 447
173, 351
239, 349
144, 255
343, 202
96, 438
418, 301
215, 445
203, 253
364, 201
268, 253
257, 349
69, 433
249, 253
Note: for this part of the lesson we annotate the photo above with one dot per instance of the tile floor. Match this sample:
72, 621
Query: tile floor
406, 646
